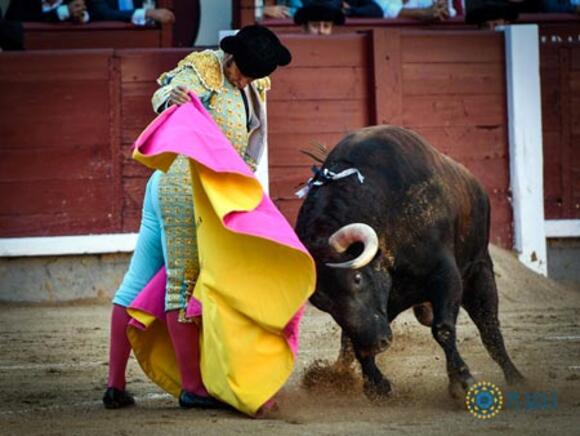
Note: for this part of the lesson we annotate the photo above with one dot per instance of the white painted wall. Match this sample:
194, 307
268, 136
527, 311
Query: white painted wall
216, 15
562, 228
525, 144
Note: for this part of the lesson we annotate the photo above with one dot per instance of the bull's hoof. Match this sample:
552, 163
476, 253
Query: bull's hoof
515, 378
458, 387
378, 391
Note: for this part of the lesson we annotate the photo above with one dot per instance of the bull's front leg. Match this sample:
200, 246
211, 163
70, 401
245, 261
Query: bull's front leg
375, 386
446, 287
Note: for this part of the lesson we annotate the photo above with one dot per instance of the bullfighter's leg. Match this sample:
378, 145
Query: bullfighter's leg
481, 303
446, 287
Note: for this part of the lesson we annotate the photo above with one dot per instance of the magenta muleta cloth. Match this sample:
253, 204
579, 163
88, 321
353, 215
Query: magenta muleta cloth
255, 275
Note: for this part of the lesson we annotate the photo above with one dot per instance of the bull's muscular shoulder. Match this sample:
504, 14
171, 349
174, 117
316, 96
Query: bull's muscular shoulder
207, 66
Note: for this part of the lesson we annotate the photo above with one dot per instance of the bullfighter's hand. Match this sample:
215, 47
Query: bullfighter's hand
441, 10
161, 15
179, 96
276, 11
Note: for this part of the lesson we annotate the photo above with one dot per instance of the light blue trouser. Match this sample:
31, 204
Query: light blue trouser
151, 249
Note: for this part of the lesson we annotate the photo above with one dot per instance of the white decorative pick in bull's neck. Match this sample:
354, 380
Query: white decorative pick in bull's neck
324, 176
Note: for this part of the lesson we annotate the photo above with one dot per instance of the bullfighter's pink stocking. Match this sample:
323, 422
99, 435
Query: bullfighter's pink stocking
119, 347
185, 339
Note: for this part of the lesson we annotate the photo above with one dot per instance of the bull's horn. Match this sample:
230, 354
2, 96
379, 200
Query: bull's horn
348, 235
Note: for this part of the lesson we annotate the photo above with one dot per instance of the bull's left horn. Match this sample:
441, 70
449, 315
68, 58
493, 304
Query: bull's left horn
348, 235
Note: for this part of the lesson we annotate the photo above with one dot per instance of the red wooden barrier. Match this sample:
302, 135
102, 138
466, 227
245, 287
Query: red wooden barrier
560, 79
68, 119
55, 154
104, 34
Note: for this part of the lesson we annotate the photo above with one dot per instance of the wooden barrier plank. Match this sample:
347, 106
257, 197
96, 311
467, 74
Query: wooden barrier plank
136, 109
387, 96
443, 111
134, 189
453, 79
552, 164
575, 82
68, 163
548, 56
452, 47
551, 99
39, 197
340, 83
553, 207
54, 113
575, 58
53, 66
501, 228
92, 40
575, 114
289, 209
115, 143
55, 223
285, 181
130, 168
146, 65
493, 174
284, 148
334, 51
317, 116
567, 129
468, 142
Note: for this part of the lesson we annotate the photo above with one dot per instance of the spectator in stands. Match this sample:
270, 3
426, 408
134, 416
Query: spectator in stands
319, 17
138, 12
425, 10
561, 6
11, 34
488, 14
282, 9
52, 11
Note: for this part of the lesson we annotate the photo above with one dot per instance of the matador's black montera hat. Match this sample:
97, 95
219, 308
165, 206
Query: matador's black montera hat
257, 51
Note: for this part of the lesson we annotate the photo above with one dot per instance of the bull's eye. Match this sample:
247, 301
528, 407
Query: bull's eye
358, 279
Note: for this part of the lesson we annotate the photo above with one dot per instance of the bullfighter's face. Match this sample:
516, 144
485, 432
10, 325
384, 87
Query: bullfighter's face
357, 300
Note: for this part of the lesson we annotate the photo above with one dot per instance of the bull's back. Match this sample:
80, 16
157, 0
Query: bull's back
429, 193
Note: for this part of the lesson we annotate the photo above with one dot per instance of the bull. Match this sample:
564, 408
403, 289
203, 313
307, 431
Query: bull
394, 224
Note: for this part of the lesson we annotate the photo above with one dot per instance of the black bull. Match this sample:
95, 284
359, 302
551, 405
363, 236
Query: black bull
414, 233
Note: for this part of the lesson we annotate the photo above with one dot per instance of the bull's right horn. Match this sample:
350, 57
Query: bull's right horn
348, 235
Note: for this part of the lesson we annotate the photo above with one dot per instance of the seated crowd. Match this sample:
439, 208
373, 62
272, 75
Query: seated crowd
314, 16
138, 12
319, 16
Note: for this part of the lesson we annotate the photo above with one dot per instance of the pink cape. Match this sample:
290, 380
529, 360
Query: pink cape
190, 130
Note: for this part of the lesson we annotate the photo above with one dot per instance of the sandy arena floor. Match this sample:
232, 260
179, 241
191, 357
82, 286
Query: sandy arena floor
53, 370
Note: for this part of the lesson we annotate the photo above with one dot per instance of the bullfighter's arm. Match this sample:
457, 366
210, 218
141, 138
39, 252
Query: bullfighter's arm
199, 73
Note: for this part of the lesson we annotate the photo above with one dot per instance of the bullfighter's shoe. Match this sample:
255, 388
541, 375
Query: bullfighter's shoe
117, 399
187, 400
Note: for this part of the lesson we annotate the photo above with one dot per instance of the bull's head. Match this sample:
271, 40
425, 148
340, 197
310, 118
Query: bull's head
355, 292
